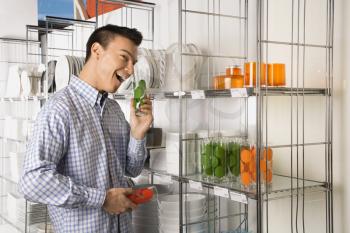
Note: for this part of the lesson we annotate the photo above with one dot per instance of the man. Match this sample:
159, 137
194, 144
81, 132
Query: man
82, 147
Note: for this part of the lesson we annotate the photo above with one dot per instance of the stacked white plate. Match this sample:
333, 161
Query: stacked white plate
157, 160
172, 153
194, 210
15, 129
186, 66
16, 208
145, 217
13, 88
65, 67
16, 165
43, 228
4, 66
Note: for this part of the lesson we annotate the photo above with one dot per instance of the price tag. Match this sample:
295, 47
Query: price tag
35, 98
2, 99
110, 95
196, 185
11, 100
239, 197
179, 93
198, 94
239, 92
222, 192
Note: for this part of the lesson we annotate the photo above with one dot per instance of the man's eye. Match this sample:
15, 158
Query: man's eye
125, 58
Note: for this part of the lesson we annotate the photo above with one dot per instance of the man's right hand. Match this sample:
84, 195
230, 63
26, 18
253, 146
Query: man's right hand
116, 201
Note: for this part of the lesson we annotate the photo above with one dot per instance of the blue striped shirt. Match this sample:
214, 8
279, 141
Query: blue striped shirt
80, 147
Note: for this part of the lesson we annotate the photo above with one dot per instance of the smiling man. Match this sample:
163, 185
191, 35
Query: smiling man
82, 147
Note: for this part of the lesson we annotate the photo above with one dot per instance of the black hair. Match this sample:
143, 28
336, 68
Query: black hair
105, 34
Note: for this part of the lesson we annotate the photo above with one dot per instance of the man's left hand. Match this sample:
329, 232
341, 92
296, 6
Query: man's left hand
140, 124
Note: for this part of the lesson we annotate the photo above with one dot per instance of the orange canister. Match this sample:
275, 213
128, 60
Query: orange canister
250, 74
237, 81
233, 70
219, 82
276, 74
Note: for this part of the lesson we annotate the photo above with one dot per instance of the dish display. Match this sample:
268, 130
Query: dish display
25, 83
182, 67
142, 221
65, 67
195, 210
13, 88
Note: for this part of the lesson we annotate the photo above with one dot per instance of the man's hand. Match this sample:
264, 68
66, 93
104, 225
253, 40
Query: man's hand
116, 201
140, 124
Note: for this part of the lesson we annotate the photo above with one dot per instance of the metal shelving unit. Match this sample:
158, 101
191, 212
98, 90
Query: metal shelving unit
14, 52
58, 37
293, 184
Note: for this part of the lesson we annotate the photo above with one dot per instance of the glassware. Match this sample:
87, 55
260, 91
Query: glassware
139, 95
233, 70
219, 82
247, 165
276, 74
266, 165
250, 74
237, 81
221, 155
233, 151
207, 152
214, 159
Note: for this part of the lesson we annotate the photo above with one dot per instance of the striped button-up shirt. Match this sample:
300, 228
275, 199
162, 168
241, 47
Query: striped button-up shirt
81, 146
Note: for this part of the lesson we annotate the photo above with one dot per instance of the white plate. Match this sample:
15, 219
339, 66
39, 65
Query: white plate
51, 67
13, 82
4, 67
199, 59
143, 70
62, 73
200, 227
25, 83
192, 200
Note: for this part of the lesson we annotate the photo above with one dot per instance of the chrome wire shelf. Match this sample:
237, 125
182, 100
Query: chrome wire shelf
280, 184
227, 93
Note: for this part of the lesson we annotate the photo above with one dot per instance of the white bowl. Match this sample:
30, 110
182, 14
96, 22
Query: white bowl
192, 201
191, 228
190, 213
175, 220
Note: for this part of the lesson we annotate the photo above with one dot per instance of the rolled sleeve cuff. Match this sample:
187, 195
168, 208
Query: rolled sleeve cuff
96, 197
137, 145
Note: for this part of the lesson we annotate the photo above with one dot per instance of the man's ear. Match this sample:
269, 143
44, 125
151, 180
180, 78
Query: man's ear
96, 50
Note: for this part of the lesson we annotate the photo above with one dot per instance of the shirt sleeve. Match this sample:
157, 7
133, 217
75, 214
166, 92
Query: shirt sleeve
136, 156
41, 182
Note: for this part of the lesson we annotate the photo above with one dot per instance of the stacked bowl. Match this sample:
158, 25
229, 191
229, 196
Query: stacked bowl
142, 220
189, 159
194, 213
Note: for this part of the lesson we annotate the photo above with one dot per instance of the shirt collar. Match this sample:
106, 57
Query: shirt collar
88, 92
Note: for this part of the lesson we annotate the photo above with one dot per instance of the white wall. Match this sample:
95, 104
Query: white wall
15, 14
342, 114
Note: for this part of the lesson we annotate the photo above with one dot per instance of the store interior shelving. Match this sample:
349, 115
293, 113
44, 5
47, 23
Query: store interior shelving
290, 185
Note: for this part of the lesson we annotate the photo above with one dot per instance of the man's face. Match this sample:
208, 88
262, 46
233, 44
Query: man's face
115, 63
